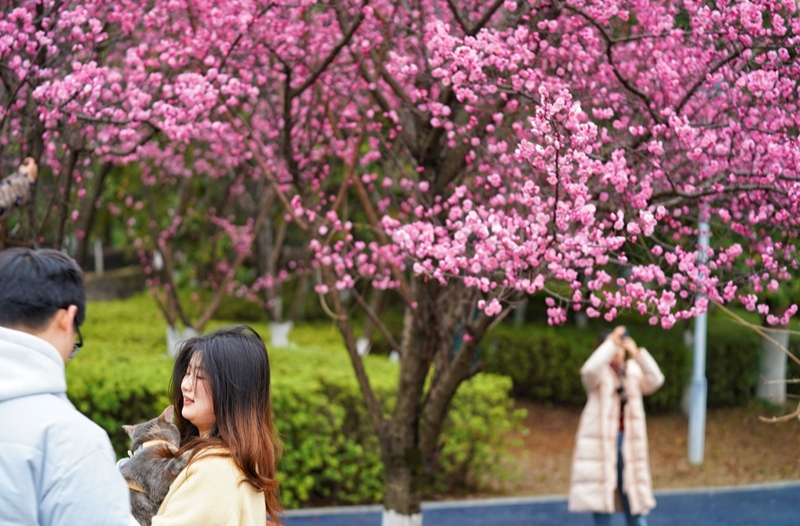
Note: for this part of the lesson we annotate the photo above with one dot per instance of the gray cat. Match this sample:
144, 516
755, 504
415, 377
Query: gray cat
148, 474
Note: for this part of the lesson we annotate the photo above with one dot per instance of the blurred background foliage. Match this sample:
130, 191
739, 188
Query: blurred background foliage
331, 453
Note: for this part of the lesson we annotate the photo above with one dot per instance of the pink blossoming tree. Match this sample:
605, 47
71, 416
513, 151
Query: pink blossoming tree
60, 103
90, 88
495, 150
468, 154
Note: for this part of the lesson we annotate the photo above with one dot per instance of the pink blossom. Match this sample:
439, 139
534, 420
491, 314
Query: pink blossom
522, 161
493, 308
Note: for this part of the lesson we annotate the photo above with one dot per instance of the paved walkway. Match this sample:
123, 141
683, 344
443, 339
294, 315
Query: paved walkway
762, 505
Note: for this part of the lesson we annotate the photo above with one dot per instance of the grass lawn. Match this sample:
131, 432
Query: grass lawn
134, 330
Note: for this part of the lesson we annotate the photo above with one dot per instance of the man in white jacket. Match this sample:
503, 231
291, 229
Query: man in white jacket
56, 466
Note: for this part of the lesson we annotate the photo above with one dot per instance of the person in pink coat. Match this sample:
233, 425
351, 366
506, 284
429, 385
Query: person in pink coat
611, 464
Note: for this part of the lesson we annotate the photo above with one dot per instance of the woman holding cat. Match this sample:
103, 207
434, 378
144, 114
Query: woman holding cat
221, 391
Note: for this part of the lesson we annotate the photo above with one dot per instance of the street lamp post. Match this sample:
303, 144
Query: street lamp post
699, 386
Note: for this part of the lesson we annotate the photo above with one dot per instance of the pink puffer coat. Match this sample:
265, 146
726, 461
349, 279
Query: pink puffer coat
594, 462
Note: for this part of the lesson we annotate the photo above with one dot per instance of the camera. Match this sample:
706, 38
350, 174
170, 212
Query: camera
623, 396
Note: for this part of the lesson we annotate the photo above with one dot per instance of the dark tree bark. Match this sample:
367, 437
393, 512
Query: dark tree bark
431, 332
33, 133
63, 207
34, 130
89, 213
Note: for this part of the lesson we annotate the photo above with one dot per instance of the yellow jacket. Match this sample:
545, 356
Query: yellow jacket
211, 491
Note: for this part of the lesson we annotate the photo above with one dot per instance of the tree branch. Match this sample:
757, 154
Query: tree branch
256, 151
221, 292
609, 56
439, 400
758, 329
702, 78
90, 210
169, 267
381, 235
472, 31
63, 211
784, 418
376, 320
381, 99
693, 196
485, 18
343, 322
294, 92
241, 34
457, 15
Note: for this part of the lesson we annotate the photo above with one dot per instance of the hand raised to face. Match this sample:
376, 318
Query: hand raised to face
630, 346
617, 334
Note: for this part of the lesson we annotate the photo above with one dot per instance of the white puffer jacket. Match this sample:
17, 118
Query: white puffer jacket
56, 466
594, 463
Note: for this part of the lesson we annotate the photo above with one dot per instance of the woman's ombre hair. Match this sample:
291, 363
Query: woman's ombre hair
236, 367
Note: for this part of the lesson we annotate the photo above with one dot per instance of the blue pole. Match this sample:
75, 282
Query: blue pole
699, 386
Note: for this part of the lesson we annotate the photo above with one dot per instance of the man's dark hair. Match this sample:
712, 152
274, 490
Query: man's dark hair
35, 284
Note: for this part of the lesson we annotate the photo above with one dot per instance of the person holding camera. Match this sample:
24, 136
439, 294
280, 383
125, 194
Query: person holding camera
611, 464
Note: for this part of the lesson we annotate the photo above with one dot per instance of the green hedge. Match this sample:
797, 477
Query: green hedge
331, 454
732, 359
793, 368
544, 362
734, 352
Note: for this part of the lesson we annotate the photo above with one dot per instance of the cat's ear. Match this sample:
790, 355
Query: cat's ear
129, 430
166, 416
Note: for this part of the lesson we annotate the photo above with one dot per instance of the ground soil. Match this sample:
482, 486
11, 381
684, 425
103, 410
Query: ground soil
739, 450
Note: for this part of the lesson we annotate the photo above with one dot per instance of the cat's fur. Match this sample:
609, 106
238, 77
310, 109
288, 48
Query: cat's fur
148, 471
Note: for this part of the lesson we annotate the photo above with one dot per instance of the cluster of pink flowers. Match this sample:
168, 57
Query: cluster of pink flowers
515, 147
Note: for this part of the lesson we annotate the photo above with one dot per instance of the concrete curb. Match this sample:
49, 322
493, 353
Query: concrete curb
511, 501
730, 489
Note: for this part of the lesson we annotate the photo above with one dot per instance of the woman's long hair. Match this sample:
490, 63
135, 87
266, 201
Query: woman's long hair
236, 366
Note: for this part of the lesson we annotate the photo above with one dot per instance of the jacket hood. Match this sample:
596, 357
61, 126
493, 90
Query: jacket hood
29, 366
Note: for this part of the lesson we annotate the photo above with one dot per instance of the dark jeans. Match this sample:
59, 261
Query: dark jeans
604, 519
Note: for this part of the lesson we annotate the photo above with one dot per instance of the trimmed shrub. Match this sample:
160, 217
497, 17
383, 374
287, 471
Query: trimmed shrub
331, 453
732, 360
544, 362
793, 368
734, 352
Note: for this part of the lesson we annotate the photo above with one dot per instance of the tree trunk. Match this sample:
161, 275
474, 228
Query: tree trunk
429, 337
435, 334
297, 311
267, 247
263, 250
63, 210
402, 457
403, 497
35, 148
89, 214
